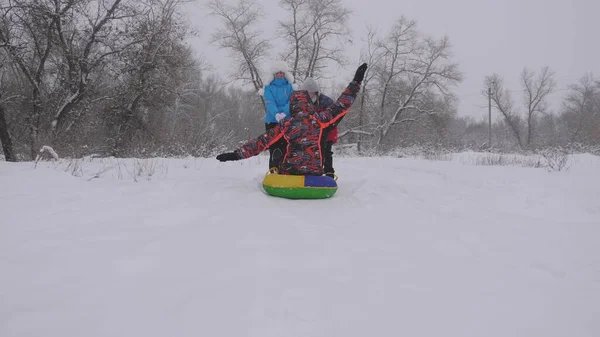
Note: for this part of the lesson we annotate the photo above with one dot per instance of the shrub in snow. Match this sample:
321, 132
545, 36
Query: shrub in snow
557, 159
46, 153
502, 159
75, 167
145, 169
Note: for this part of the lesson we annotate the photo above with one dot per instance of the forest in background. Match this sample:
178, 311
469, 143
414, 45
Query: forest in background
119, 78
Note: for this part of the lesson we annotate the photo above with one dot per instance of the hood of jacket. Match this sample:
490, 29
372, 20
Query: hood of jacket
300, 104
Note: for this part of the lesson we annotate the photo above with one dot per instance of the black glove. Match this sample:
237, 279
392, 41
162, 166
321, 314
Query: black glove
360, 73
228, 156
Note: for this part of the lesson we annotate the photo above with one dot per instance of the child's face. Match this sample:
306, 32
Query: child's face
279, 74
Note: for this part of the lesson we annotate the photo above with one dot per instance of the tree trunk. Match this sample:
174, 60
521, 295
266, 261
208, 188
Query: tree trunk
529, 130
34, 124
5, 139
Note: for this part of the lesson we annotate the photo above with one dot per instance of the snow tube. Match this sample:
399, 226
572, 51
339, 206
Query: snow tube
299, 187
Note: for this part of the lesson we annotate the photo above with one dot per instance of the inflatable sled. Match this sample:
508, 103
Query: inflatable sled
299, 187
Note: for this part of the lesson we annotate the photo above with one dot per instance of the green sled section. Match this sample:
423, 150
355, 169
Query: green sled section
301, 192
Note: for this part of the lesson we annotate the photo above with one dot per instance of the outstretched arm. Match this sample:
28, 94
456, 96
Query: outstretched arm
254, 146
340, 107
343, 103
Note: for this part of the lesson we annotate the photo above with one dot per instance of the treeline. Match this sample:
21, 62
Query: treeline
117, 77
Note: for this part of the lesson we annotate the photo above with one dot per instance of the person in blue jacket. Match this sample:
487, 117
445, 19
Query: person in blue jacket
276, 93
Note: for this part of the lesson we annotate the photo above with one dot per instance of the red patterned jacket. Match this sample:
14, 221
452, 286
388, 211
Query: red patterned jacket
303, 133
332, 131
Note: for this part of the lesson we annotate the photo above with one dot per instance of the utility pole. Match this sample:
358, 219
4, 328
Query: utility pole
490, 118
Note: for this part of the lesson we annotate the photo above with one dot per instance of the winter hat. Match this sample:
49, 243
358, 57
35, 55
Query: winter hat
278, 66
310, 85
275, 67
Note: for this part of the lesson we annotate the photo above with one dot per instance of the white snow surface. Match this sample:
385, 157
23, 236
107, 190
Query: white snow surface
194, 247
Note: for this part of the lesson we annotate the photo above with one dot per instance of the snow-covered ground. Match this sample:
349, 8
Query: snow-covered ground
194, 247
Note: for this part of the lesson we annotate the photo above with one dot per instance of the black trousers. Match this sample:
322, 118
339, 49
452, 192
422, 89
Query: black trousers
327, 151
281, 145
328, 157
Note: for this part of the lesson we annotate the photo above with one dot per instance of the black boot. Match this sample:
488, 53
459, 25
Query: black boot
275, 160
328, 159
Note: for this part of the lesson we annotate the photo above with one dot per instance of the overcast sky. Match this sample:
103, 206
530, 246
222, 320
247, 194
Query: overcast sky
488, 36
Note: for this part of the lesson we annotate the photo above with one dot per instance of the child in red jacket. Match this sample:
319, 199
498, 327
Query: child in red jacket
330, 133
303, 131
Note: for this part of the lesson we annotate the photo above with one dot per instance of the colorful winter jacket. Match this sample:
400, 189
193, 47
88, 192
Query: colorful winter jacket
277, 99
303, 133
332, 134
324, 102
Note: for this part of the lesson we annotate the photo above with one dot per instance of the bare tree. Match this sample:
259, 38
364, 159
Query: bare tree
26, 33
237, 35
313, 33
502, 101
329, 22
5, 136
86, 35
61, 47
156, 68
78, 55
295, 30
536, 91
581, 109
397, 46
372, 56
425, 72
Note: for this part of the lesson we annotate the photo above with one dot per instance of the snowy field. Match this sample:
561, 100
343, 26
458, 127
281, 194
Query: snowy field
194, 247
